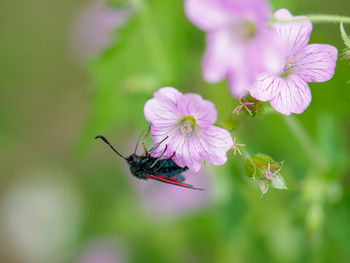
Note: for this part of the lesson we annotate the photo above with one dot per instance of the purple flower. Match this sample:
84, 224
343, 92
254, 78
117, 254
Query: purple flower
287, 88
239, 45
187, 120
92, 30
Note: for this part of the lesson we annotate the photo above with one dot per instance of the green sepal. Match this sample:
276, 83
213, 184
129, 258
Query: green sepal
279, 182
346, 39
256, 168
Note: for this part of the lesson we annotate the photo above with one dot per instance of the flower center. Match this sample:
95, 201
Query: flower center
287, 68
187, 125
245, 30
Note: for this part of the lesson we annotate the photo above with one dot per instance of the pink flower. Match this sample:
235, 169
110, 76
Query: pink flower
92, 31
287, 89
187, 120
239, 46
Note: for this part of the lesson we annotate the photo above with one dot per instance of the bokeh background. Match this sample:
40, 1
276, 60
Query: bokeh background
73, 69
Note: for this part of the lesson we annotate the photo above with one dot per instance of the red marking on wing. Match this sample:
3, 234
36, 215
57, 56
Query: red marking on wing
165, 179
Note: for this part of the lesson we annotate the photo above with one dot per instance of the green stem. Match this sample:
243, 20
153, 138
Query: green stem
317, 19
306, 142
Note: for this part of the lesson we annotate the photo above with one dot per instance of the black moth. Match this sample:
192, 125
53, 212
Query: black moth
155, 168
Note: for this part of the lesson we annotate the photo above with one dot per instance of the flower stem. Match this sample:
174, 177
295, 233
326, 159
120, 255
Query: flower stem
317, 19
306, 142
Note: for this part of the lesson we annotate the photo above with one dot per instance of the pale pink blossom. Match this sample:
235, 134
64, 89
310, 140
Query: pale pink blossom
287, 88
239, 45
187, 120
92, 30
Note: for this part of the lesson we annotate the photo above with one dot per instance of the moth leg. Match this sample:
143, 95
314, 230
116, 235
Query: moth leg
161, 165
143, 141
154, 148
153, 164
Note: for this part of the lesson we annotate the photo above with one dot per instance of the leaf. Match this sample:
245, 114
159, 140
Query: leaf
250, 168
344, 36
346, 39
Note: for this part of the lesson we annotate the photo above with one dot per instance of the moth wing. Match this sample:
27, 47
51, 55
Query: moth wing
167, 180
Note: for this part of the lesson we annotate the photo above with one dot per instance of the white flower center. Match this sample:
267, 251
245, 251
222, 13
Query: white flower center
187, 125
186, 128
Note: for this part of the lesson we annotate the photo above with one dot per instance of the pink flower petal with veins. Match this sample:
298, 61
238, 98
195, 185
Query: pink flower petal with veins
214, 141
267, 86
294, 96
295, 35
316, 62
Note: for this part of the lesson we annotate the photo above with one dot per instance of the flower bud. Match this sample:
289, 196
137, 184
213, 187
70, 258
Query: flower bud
265, 171
250, 106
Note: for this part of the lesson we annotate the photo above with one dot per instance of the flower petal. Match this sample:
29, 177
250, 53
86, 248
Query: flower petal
267, 87
214, 142
203, 111
217, 57
294, 96
188, 154
168, 95
238, 82
174, 143
160, 114
213, 14
207, 14
316, 62
264, 54
162, 109
295, 35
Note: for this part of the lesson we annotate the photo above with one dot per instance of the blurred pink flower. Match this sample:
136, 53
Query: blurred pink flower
287, 89
187, 120
92, 30
239, 45
162, 200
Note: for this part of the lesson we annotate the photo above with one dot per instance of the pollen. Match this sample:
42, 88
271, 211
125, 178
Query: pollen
287, 68
187, 125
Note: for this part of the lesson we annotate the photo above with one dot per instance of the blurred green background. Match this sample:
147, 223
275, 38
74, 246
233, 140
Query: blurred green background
73, 69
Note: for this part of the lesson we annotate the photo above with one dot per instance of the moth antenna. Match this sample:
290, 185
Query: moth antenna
110, 145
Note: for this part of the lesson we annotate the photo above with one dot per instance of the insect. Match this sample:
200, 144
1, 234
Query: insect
155, 168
